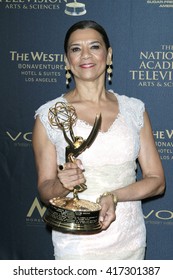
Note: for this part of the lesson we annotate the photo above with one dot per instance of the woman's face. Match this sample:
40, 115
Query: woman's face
87, 55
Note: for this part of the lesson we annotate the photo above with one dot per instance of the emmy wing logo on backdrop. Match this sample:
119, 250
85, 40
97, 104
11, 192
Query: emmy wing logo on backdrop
75, 8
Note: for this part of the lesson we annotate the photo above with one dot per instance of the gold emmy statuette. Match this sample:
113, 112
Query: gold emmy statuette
72, 215
75, 9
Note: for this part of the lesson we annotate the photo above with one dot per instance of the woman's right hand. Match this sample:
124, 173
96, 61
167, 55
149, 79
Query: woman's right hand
71, 174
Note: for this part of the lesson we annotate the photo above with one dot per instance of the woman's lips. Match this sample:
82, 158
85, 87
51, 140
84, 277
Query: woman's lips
87, 65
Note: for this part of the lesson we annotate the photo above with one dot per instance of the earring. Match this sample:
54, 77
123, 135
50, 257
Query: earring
109, 71
67, 75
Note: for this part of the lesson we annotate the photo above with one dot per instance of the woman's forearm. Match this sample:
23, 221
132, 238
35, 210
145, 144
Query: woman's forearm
148, 187
51, 188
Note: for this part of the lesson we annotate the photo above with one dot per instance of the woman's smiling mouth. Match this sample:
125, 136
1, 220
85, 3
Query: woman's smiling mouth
87, 65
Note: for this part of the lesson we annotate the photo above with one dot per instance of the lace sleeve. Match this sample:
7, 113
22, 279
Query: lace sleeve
42, 113
138, 108
133, 111
54, 133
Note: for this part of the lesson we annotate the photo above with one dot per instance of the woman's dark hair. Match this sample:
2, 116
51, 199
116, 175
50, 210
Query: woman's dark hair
85, 24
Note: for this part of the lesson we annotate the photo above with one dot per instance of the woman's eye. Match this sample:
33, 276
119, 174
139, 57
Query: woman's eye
95, 47
75, 49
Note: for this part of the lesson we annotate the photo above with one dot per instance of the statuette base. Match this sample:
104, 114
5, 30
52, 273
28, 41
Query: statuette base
75, 216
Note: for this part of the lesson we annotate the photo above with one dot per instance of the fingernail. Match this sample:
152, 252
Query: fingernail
101, 219
61, 167
81, 166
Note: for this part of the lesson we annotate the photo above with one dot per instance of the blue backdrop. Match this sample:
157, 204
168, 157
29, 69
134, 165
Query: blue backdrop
32, 72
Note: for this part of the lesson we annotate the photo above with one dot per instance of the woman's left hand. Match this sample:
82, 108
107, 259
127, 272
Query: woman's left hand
107, 212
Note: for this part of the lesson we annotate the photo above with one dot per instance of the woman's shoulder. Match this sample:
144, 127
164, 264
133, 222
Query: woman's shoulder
128, 101
131, 108
44, 108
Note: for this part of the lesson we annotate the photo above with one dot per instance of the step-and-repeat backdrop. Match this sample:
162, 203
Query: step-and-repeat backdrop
32, 72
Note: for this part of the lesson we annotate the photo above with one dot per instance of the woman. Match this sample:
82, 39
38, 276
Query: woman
109, 166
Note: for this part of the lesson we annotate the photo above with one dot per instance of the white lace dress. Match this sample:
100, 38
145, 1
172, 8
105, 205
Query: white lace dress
110, 163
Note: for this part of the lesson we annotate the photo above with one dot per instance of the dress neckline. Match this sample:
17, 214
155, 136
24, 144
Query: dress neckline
86, 124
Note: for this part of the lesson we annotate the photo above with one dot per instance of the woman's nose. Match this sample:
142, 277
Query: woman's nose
86, 53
